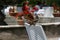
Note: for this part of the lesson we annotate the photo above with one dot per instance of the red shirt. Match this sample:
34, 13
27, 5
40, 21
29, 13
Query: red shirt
26, 9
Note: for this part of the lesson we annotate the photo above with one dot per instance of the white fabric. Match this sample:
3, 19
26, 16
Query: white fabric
40, 11
6, 10
48, 12
45, 12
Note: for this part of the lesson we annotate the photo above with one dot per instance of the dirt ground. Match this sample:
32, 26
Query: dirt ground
52, 32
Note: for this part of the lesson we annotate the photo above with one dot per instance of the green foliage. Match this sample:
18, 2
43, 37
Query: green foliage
32, 2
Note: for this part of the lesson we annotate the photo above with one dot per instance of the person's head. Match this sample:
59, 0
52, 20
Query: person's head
25, 3
38, 3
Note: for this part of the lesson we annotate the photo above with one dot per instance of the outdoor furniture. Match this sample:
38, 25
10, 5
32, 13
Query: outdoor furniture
34, 31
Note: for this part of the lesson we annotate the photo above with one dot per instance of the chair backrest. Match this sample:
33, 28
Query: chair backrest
35, 32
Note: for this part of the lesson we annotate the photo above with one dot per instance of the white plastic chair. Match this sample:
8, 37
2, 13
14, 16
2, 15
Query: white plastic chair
35, 32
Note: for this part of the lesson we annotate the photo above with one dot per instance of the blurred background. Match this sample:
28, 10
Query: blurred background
52, 31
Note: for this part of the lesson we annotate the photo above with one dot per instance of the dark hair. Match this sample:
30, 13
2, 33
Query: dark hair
38, 3
23, 6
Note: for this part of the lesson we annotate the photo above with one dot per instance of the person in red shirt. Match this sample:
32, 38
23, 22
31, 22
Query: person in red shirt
26, 10
25, 7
